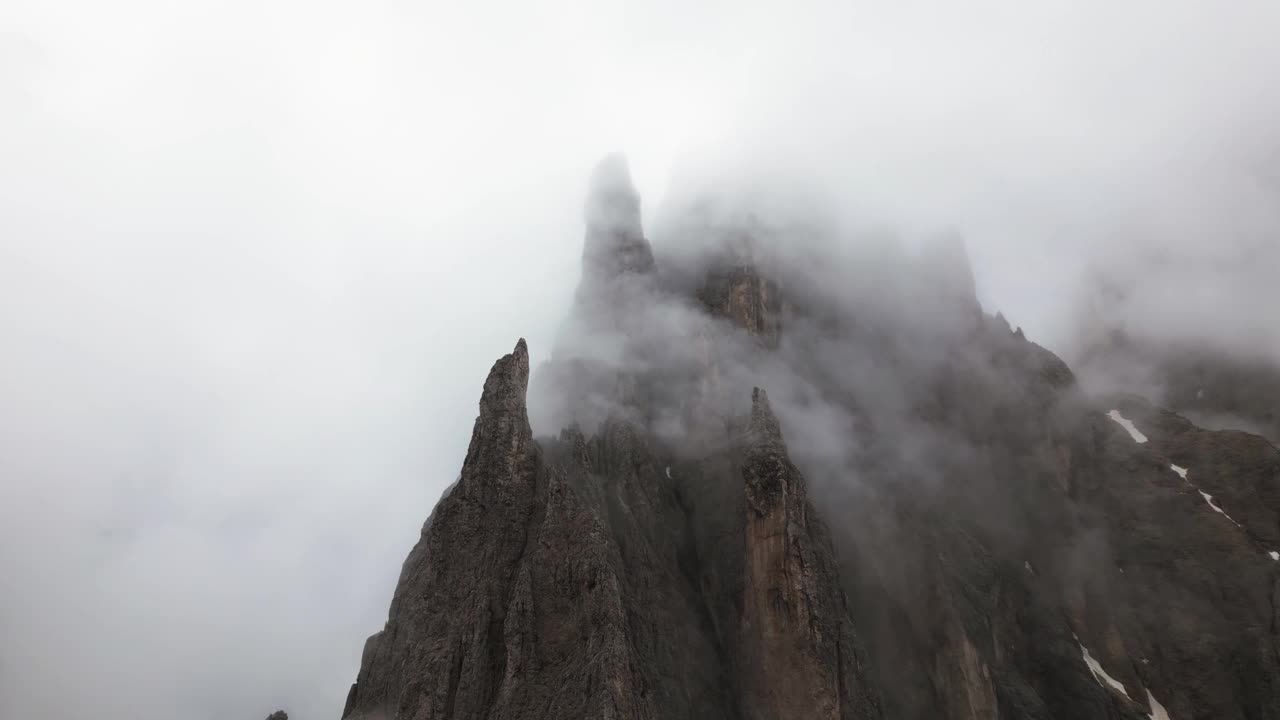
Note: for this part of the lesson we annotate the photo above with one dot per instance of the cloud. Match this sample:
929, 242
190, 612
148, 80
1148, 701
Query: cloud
254, 262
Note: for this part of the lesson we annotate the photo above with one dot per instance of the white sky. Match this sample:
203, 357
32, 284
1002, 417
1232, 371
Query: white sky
256, 258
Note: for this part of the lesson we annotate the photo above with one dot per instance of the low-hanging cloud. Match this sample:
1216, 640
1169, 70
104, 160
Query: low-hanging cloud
254, 263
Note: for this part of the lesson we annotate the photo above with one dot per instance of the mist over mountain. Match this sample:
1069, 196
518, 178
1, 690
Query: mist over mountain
1187, 334
770, 480
256, 260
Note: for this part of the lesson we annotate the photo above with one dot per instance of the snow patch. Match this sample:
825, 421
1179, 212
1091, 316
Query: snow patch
1274, 555
1209, 499
1098, 673
668, 472
1127, 424
1157, 710
1026, 564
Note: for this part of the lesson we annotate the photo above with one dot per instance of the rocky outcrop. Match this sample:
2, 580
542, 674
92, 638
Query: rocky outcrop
748, 300
442, 652
1212, 388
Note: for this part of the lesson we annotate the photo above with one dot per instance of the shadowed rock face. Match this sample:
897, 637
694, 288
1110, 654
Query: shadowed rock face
441, 652
748, 300
798, 647
925, 518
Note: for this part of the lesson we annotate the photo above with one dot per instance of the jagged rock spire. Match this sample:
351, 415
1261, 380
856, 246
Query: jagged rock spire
764, 424
801, 657
436, 655
610, 310
502, 429
615, 241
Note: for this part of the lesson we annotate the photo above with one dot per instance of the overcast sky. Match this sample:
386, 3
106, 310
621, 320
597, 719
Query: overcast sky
256, 259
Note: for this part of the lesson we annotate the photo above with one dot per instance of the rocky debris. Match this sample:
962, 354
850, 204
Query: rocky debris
278, 715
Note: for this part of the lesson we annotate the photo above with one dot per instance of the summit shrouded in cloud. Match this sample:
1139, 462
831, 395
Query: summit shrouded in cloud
255, 261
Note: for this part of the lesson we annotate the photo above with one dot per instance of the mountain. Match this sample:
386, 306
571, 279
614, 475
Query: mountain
1208, 386
780, 476
1229, 382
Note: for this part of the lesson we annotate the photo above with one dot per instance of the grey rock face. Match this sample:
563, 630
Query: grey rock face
798, 655
929, 519
589, 599
438, 653
746, 299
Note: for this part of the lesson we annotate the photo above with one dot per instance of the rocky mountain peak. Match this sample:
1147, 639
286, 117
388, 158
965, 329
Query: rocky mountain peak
615, 242
929, 519
506, 385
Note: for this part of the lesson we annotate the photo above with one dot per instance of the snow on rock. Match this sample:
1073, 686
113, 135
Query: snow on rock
1098, 673
1127, 424
1209, 499
1027, 564
1157, 710
1274, 555
668, 472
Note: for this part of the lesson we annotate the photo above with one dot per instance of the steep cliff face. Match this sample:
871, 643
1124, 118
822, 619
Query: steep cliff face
798, 652
926, 517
